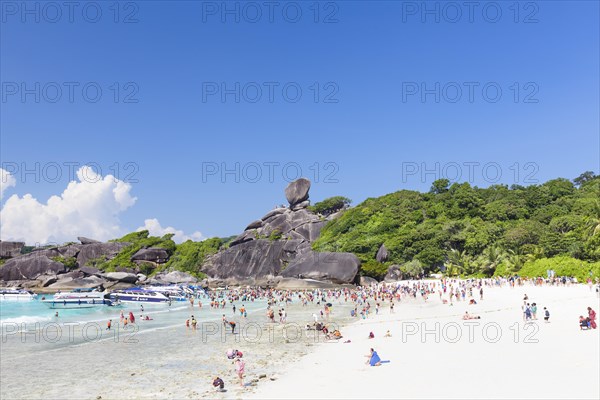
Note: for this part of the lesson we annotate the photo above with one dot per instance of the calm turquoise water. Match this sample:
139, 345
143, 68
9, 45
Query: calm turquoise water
35, 312
155, 359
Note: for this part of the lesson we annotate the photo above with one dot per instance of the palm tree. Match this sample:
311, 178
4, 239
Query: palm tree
593, 221
536, 254
492, 257
515, 261
460, 262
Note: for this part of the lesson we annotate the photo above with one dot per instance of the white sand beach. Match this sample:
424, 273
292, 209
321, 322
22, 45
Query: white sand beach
501, 358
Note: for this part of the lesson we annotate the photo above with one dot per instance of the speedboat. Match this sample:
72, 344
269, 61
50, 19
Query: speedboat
175, 293
78, 298
16, 294
138, 295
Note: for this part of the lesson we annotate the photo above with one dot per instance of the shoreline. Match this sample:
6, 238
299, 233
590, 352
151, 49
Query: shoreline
171, 361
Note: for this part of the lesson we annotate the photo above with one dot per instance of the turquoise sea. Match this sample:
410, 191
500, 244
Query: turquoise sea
75, 356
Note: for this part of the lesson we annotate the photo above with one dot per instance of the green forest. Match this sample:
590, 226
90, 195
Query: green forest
470, 231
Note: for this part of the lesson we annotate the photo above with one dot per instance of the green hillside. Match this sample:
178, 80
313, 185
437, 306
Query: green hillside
475, 231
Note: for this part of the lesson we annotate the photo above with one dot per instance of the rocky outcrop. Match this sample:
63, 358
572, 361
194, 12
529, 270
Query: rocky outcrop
301, 284
285, 224
332, 267
67, 251
300, 206
125, 277
393, 274
47, 280
255, 259
90, 271
279, 245
29, 267
85, 240
10, 249
254, 225
297, 191
176, 277
382, 254
97, 250
155, 255
367, 281
73, 283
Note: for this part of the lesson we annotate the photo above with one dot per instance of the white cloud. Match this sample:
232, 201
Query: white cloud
6, 181
155, 229
89, 207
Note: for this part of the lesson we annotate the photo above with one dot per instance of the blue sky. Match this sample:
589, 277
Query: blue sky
368, 129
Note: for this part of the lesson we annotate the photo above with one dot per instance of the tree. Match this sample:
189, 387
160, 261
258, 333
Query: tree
439, 186
515, 261
584, 178
492, 256
330, 205
461, 262
593, 221
412, 269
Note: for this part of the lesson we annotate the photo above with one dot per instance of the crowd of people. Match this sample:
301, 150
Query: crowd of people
364, 303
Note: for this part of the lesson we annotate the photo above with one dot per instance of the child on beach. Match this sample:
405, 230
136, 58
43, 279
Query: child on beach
219, 384
546, 315
240, 367
108, 324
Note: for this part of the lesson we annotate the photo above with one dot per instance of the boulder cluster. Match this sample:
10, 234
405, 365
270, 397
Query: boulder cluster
42, 269
278, 246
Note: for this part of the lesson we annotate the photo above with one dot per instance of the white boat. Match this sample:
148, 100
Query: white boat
137, 295
16, 294
78, 298
175, 293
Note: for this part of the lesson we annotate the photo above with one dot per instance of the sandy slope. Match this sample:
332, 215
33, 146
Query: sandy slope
553, 360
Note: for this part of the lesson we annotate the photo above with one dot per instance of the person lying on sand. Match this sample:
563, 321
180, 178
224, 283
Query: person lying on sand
468, 316
335, 335
388, 334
